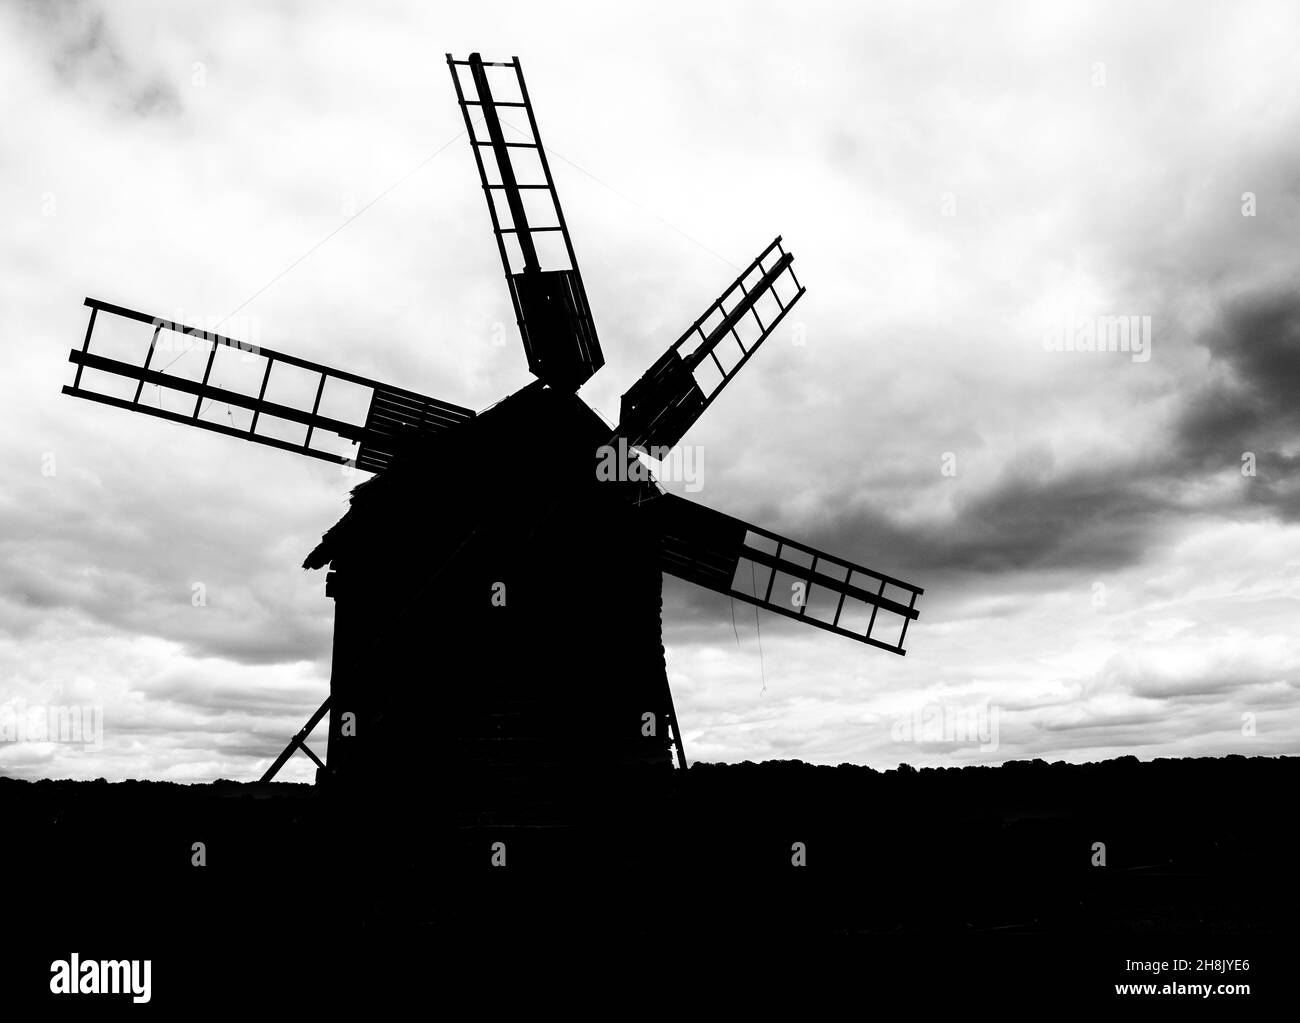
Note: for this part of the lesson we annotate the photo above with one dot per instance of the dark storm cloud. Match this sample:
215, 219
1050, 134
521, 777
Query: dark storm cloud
1083, 520
1111, 514
1249, 403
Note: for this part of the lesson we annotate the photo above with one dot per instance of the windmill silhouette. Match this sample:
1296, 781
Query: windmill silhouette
498, 617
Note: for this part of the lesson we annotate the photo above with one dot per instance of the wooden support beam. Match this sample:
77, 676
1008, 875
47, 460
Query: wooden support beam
298, 742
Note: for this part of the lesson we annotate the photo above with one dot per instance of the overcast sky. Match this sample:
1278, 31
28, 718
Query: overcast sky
953, 180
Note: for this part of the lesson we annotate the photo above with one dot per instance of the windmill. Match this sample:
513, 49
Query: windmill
516, 610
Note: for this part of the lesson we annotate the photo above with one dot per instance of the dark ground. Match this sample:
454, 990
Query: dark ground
969, 887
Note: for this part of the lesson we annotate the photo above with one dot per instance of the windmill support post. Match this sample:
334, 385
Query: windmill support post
299, 741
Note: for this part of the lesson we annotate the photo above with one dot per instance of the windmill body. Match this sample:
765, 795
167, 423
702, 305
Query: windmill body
500, 621
497, 619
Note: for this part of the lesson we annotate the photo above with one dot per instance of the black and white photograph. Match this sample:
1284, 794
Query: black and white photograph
586, 504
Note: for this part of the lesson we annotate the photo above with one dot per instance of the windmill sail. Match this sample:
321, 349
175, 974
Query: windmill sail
382, 416
675, 391
732, 557
545, 286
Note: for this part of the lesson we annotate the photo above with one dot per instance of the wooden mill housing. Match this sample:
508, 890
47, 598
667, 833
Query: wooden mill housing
497, 608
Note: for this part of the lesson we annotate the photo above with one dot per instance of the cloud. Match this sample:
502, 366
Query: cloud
81, 50
1247, 404
1232, 663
